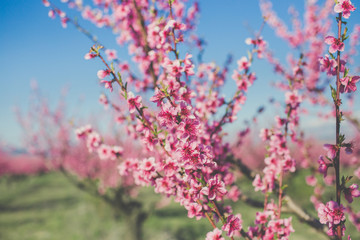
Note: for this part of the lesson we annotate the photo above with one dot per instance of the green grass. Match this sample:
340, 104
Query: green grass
50, 207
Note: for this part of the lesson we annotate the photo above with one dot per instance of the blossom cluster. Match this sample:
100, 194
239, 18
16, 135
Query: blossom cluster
181, 126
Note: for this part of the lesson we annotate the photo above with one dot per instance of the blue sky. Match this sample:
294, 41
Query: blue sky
35, 47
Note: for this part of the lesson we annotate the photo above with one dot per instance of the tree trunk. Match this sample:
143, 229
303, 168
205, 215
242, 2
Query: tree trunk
134, 221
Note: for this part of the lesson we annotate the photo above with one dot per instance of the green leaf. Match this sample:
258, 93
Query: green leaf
346, 72
341, 117
112, 66
341, 138
331, 55
120, 79
333, 93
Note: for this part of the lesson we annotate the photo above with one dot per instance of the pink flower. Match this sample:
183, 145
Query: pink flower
175, 25
289, 164
258, 183
64, 21
293, 98
107, 84
234, 193
103, 73
104, 152
243, 64
331, 150
233, 223
93, 141
46, 3
215, 188
335, 44
174, 67
331, 213
82, 132
133, 102
348, 84
344, 7
51, 14
149, 140
148, 164
111, 54
261, 218
188, 65
188, 127
158, 97
311, 180
116, 151
214, 235
194, 210
103, 100
351, 192
323, 167
328, 65
90, 56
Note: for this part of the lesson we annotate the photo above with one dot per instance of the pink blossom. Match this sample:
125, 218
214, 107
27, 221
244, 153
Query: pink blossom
344, 7
158, 97
174, 68
348, 84
289, 164
93, 141
323, 167
311, 180
51, 14
215, 188
233, 223
175, 25
328, 65
107, 84
331, 150
90, 56
335, 44
149, 140
116, 151
103, 73
165, 185
234, 193
261, 218
167, 115
148, 164
351, 192
111, 54
188, 127
214, 235
331, 213
188, 65
103, 100
194, 210
64, 21
243, 64
82, 132
104, 152
258, 183
46, 3
293, 98
133, 102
